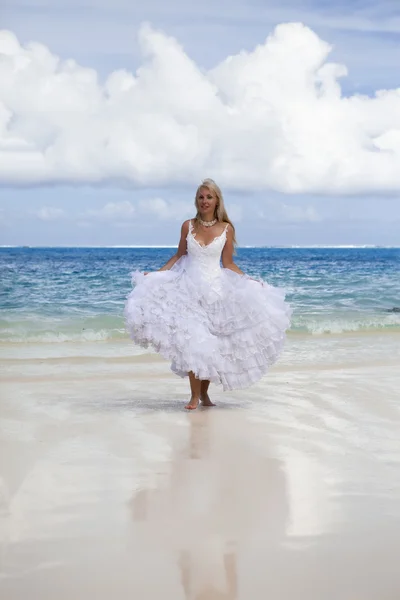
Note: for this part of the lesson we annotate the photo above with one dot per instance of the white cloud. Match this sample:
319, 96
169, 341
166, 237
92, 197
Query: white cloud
178, 210
275, 210
300, 213
273, 118
161, 209
112, 211
49, 213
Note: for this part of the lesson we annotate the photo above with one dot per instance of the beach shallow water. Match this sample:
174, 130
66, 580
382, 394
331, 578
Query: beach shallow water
289, 490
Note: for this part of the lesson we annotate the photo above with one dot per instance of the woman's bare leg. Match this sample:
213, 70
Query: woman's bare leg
195, 387
204, 397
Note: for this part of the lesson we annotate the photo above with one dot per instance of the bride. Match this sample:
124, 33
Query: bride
215, 324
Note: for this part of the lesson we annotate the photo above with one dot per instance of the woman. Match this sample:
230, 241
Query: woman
214, 324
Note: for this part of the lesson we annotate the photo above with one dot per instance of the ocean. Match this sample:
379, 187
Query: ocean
61, 295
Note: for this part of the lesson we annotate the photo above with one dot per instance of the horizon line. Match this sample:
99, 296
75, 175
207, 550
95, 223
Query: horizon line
118, 246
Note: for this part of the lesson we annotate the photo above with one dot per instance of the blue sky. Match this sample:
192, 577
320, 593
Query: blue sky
307, 204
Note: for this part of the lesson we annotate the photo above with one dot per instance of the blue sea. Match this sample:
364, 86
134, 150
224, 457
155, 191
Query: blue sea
59, 295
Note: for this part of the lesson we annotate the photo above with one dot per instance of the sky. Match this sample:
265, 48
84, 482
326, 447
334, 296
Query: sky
112, 112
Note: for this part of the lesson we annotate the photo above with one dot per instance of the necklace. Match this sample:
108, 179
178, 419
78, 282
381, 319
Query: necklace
207, 223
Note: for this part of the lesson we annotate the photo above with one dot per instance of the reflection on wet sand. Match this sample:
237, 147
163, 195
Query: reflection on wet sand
214, 513
207, 505
218, 583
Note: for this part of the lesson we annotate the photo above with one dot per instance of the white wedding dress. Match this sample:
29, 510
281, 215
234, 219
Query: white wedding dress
223, 326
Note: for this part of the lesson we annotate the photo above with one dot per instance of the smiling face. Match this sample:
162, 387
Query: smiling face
206, 201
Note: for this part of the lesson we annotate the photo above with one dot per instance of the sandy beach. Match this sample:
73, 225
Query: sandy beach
288, 490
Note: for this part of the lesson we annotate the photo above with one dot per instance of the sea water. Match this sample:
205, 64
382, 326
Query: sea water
56, 295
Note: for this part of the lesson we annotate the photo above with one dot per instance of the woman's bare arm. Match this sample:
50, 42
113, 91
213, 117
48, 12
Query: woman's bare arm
227, 253
182, 248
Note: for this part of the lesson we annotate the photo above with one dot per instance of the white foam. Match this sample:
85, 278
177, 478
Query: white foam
384, 323
87, 335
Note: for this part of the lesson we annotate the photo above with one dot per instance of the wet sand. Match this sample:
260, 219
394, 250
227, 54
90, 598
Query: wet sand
289, 490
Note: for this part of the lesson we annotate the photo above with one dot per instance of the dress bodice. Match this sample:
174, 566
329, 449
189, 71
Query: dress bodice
206, 257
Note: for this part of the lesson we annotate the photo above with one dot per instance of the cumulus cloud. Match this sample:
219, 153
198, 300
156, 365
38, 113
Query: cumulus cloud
274, 118
299, 213
112, 211
161, 209
49, 213
176, 210
281, 212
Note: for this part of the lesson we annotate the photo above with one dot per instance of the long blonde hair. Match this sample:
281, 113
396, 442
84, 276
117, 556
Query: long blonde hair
220, 212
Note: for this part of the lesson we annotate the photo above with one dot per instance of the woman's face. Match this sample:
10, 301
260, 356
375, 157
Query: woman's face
206, 200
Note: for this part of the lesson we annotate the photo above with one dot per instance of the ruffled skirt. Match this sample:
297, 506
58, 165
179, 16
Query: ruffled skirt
226, 328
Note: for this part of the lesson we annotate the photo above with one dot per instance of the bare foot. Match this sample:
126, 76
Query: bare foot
205, 400
192, 404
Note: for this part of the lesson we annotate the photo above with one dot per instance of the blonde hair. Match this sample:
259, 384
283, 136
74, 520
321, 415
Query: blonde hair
220, 212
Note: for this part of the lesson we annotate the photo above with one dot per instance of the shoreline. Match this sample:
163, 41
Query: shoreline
371, 347
137, 350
